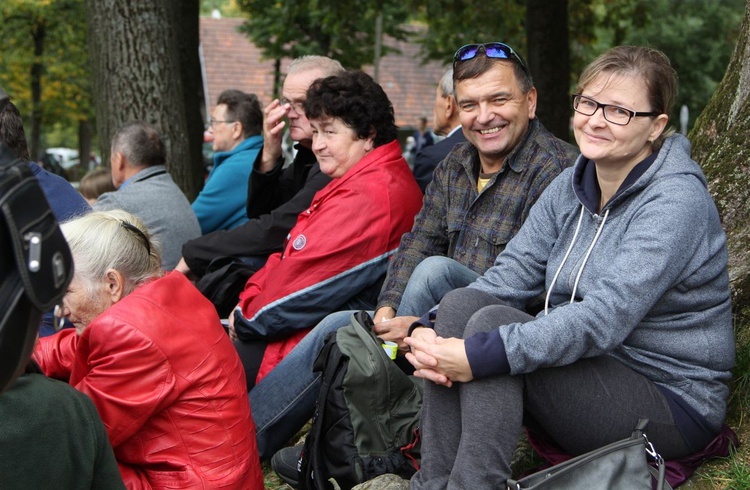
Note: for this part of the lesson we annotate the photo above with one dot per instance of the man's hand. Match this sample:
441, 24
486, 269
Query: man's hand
273, 133
232, 332
442, 361
394, 329
183, 267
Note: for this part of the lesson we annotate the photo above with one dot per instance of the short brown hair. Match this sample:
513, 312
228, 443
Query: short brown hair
651, 65
96, 183
244, 108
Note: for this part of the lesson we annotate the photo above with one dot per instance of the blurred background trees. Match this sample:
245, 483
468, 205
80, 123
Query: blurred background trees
141, 60
44, 67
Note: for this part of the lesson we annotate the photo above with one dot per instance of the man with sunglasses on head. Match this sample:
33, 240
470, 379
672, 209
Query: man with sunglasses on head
276, 194
479, 196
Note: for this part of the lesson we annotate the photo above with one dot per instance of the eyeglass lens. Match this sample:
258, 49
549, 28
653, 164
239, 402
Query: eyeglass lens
296, 106
612, 113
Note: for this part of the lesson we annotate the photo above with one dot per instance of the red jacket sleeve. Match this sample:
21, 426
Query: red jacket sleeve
333, 253
55, 354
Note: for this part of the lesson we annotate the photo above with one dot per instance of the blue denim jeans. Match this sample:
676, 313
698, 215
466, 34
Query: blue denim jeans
285, 399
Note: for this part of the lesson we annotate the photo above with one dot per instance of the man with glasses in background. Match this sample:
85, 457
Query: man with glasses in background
236, 125
480, 195
276, 194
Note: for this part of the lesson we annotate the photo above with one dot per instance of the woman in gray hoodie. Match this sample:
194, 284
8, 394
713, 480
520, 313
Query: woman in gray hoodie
627, 249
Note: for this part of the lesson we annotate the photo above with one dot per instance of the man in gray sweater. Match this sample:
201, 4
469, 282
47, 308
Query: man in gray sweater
145, 188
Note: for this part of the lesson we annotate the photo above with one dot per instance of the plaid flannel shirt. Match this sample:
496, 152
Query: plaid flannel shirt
470, 227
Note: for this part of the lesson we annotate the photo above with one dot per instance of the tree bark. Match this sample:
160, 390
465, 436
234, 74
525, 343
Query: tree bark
190, 175
549, 62
84, 144
38, 34
135, 62
719, 140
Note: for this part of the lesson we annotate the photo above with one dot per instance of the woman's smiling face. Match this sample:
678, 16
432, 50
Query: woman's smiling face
337, 146
611, 144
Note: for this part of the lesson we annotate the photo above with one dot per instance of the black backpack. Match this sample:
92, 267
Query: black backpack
36, 265
366, 420
223, 282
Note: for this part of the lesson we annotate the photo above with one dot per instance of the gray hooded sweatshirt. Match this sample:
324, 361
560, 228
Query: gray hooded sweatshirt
644, 281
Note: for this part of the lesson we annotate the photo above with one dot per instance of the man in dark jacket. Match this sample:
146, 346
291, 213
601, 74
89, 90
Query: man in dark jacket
445, 123
276, 195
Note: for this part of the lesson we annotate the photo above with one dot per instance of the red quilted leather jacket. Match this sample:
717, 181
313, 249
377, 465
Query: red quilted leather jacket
168, 386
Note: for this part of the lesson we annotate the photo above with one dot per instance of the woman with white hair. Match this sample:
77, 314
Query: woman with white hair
150, 351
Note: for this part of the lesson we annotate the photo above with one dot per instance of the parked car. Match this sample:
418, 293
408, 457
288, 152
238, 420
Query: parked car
66, 157
52, 165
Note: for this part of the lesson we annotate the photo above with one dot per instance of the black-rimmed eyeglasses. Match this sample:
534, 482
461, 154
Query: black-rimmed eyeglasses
612, 113
491, 50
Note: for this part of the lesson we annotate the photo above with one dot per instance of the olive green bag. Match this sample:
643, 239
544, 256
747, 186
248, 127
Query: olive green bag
366, 420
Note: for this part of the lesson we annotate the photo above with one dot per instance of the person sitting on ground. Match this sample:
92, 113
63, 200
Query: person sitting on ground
446, 122
637, 321
145, 189
151, 353
95, 183
50, 435
480, 195
338, 252
236, 125
41, 419
276, 194
65, 202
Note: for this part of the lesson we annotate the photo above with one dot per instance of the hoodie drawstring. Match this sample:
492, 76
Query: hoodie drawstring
567, 253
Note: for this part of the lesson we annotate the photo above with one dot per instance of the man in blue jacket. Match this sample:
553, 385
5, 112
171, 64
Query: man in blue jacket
236, 125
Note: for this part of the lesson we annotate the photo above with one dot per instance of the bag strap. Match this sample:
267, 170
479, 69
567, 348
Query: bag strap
658, 473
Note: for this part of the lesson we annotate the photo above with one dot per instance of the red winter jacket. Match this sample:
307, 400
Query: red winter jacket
168, 385
339, 247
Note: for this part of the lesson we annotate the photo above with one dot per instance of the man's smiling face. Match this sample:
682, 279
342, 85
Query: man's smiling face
494, 113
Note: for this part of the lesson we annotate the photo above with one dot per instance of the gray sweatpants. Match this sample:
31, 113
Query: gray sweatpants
471, 430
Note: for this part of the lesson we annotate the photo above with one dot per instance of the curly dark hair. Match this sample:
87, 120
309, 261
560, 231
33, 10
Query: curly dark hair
357, 100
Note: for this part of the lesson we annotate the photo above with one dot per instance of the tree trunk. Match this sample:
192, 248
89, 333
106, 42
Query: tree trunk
190, 176
84, 144
38, 33
135, 62
549, 62
719, 140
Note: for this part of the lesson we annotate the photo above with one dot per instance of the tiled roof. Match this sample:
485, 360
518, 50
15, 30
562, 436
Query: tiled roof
233, 61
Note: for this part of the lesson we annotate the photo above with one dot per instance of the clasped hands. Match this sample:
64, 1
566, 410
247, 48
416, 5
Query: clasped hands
437, 359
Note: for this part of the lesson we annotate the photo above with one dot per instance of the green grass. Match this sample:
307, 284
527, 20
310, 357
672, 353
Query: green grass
270, 480
733, 473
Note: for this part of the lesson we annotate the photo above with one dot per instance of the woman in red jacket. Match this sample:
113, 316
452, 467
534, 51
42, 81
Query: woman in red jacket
152, 355
337, 254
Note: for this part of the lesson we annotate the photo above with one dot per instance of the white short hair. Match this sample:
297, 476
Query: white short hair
327, 66
117, 240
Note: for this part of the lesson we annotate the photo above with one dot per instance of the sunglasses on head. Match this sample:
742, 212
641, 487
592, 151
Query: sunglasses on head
491, 50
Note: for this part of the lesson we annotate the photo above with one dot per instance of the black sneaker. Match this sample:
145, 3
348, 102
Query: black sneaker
284, 463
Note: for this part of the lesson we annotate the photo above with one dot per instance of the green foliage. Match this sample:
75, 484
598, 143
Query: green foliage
597, 25
60, 27
453, 23
698, 36
344, 30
